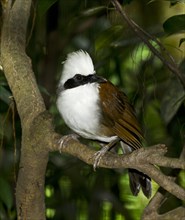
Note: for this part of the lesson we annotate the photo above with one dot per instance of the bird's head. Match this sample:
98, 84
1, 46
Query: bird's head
78, 70
78, 62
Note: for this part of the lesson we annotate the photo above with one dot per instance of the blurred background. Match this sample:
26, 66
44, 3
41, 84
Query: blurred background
73, 190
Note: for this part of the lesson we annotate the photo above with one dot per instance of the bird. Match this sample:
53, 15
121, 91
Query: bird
95, 109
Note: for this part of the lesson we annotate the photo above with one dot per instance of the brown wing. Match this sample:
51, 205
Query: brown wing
119, 116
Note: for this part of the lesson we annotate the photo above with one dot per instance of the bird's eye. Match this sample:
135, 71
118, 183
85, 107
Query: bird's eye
78, 77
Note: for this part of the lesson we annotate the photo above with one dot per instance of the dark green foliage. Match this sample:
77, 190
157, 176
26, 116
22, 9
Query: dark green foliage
175, 24
73, 189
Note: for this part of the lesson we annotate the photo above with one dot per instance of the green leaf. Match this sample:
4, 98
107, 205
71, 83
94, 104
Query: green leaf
44, 90
6, 193
2, 211
154, 125
181, 41
94, 11
181, 178
107, 37
175, 24
5, 95
174, 2
172, 100
44, 5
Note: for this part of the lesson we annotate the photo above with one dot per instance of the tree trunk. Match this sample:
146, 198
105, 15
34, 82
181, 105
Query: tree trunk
18, 71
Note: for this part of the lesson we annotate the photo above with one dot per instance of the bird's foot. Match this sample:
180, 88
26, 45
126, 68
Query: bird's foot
98, 155
62, 142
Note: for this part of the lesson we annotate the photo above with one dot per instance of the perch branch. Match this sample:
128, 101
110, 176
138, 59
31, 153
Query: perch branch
139, 159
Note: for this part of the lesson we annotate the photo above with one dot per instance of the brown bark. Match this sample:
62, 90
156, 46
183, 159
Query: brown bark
18, 71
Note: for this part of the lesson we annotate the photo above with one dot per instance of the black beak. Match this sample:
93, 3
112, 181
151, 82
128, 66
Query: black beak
95, 78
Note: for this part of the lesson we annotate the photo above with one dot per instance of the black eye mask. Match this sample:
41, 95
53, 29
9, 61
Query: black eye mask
79, 80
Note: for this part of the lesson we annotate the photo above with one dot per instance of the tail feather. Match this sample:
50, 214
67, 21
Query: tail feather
139, 181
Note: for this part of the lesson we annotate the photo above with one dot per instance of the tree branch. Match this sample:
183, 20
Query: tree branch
146, 38
155, 203
139, 159
152, 209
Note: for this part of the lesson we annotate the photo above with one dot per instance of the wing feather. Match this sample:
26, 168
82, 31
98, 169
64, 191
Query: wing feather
119, 114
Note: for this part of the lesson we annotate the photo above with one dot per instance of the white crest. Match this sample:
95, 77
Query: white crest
78, 62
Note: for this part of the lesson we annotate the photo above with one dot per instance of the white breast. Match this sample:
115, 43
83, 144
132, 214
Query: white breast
80, 111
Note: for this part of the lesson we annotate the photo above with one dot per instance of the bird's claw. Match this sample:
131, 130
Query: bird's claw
62, 141
97, 157
99, 154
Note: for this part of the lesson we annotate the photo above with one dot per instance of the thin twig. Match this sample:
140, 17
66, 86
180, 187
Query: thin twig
164, 181
151, 211
146, 38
